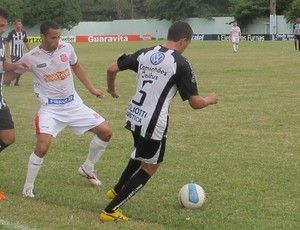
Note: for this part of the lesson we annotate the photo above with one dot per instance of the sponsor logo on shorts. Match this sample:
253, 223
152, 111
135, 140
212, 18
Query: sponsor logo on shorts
60, 101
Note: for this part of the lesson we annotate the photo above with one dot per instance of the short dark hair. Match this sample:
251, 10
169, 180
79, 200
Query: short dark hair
46, 25
179, 30
4, 13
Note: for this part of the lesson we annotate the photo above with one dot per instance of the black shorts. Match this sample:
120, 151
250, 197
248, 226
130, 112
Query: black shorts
6, 121
147, 150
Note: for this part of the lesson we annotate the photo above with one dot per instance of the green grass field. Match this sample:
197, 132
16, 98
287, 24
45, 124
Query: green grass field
245, 151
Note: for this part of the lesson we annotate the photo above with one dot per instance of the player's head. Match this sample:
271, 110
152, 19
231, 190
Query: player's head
3, 20
234, 23
50, 35
180, 33
18, 24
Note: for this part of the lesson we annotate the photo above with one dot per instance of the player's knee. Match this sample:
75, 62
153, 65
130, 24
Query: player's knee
105, 133
9, 139
150, 169
41, 150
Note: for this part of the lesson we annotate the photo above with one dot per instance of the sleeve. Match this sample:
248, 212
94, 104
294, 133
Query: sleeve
186, 80
26, 61
72, 56
25, 39
9, 36
129, 61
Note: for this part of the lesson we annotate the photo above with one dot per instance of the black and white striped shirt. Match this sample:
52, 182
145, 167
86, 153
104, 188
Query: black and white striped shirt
17, 40
2, 59
161, 72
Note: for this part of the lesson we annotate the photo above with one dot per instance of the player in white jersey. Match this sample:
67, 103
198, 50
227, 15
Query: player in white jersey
52, 63
161, 72
235, 35
296, 31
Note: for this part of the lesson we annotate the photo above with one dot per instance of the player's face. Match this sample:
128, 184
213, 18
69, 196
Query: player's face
3, 25
51, 39
18, 26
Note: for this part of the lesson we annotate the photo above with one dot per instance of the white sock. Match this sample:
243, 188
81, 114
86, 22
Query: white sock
237, 47
97, 148
234, 47
34, 165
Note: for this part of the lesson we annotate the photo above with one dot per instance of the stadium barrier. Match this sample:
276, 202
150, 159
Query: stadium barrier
245, 37
197, 37
98, 38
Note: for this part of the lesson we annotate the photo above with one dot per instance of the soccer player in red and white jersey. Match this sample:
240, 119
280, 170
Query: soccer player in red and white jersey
235, 35
51, 64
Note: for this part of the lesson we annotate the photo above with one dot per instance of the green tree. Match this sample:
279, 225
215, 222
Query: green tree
105, 10
15, 8
245, 11
65, 12
293, 11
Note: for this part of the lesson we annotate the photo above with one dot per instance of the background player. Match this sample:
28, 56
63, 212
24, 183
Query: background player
235, 35
161, 72
15, 43
297, 34
52, 63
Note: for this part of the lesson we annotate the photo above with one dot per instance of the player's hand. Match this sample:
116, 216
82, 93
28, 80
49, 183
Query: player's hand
97, 92
212, 98
113, 93
22, 65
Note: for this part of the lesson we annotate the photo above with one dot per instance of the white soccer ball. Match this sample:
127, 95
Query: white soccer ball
191, 196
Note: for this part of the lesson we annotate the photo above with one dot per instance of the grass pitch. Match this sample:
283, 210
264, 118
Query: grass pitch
243, 151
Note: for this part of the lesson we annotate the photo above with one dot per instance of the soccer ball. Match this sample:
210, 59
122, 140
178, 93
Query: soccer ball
191, 196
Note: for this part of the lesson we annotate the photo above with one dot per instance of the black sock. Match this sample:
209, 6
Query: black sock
132, 167
129, 190
2, 145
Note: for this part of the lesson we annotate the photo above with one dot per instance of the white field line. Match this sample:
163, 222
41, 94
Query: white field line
11, 225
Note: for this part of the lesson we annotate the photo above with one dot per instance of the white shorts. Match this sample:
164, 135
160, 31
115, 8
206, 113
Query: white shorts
80, 119
235, 39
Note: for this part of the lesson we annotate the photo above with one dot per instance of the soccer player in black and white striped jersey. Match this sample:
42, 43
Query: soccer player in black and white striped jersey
15, 43
7, 131
161, 72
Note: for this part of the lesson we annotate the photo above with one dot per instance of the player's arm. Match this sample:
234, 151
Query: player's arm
26, 42
198, 102
111, 72
124, 62
82, 75
7, 45
27, 45
187, 87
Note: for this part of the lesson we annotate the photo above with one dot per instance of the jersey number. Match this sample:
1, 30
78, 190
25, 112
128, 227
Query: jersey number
139, 103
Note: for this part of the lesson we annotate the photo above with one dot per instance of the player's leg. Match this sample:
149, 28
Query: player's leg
86, 119
151, 153
131, 168
35, 162
7, 131
47, 127
96, 149
17, 76
7, 135
17, 80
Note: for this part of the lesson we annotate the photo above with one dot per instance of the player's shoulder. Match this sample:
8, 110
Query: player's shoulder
64, 45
